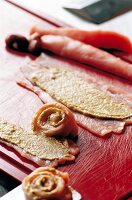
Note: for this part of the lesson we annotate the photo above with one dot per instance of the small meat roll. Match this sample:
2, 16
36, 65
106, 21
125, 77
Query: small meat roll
47, 183
55, 119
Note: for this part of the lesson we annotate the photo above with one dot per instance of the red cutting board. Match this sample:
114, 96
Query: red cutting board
103, 169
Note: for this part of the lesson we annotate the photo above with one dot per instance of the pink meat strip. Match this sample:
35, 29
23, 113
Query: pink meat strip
97, 38
94, 125
118, 44
84, 53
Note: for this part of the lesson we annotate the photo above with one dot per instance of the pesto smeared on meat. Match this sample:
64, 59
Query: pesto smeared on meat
78, 95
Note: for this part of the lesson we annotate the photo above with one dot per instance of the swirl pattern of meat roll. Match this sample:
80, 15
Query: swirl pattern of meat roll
47, 183
55, 119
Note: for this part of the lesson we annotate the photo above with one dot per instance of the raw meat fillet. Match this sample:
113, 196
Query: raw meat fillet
94, 125
37, 146
67, 88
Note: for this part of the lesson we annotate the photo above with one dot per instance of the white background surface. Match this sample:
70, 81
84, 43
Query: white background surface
16, 194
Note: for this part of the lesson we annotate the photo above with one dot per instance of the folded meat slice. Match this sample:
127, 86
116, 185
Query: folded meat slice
99, 127
87, 54
37, 146
98, 38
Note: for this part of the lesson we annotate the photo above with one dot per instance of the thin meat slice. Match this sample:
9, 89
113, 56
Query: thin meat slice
96, 126
28, 156
87, 54
98, 38
37, 146
78, 95
100, 127
111, 89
